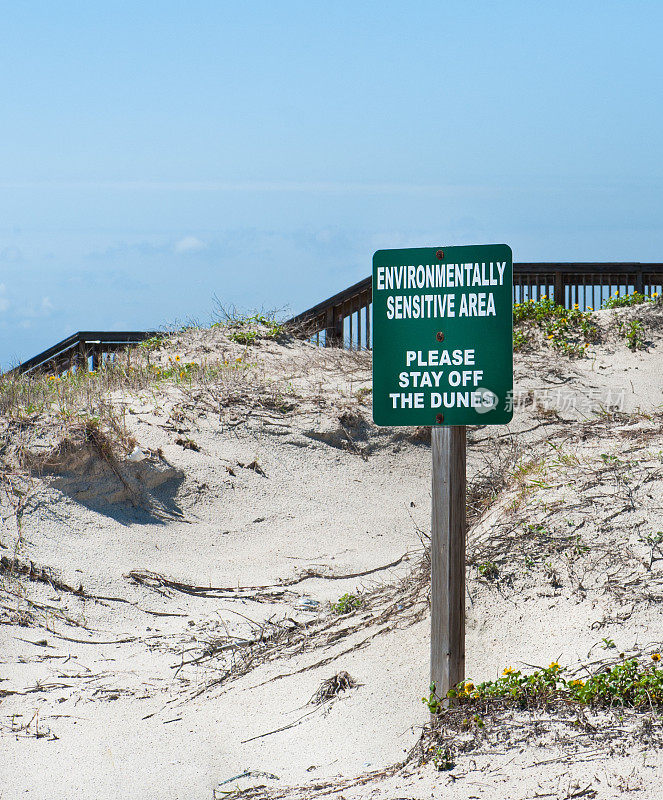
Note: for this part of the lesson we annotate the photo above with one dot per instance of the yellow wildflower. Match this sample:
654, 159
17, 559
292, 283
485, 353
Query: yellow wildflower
469, 686
177, 358
577, 682
554, 665
508, 671
656, 656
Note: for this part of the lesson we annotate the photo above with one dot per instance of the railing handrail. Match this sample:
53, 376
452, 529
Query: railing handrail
328, 315
83, 338
335, 300
585, 267
519, 267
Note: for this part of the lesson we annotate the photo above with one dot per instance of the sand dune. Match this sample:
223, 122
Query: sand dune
174, 597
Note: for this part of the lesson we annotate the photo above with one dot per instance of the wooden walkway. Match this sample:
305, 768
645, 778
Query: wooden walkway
344, 320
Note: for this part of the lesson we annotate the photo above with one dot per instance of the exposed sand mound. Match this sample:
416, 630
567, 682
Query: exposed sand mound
87, 469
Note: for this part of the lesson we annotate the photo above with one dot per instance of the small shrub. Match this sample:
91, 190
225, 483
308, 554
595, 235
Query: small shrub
521, 341
569, 331
362, 394
346, 603
188, 444
443, 759
249, 329
153, 343
488, 570
626, 300
628, 683
633, 332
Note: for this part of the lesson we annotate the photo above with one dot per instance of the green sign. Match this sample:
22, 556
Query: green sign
443, 336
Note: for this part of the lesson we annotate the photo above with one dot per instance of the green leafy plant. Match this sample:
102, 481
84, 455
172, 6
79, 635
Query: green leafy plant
521, 341
578, 546
611, 460
653, 539
153, 343
488, 570
443, 759
433, 702
347, 603
249, 329
475, 720
243, 337
569, 331
634, 333
626, 300
629, 683
535, 528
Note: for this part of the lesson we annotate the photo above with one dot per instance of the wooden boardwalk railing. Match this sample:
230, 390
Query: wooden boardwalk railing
344, 320
82, 350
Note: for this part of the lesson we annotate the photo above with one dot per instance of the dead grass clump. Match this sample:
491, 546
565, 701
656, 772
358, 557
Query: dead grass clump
493, 477
332, 687
85, 436
14, 567
187, 444
421, 435
16, 616
498, 725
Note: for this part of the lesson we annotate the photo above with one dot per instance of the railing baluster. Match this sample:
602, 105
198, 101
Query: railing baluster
359, 327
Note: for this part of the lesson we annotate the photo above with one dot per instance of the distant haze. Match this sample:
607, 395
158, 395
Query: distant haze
155, 155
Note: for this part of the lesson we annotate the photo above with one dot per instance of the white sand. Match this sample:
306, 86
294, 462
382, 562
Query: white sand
337, 497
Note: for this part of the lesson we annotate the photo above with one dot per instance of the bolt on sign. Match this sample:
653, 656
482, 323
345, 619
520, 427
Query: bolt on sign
443, 336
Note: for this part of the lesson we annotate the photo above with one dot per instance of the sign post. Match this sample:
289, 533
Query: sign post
443, 357
447, 558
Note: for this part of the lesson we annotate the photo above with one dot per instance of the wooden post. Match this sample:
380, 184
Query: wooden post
81, 361
329, 327
447, 661
639, 285
334, 327
558, 289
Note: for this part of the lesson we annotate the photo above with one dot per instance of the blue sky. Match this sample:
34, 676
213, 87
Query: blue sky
156, 154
